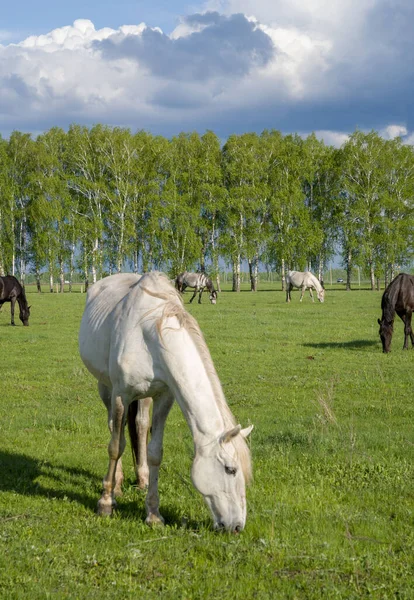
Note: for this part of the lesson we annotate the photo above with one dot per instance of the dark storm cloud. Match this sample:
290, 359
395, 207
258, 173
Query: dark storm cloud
224, 47
382, 73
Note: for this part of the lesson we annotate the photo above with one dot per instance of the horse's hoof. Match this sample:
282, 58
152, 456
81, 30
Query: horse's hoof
104, 509
155, 521
142, 483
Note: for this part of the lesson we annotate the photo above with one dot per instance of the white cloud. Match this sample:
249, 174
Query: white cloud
392, 131
332, 138
79, 35
323, 65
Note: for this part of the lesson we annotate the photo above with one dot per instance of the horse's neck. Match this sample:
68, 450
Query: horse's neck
21, 299
315, 282
191, 383
388, 313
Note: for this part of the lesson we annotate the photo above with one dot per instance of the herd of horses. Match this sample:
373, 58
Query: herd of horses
132, 320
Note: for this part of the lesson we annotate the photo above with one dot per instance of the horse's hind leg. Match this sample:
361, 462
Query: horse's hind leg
194, 295
288, 290
199, 295
408, 332
142, 423
105, 394
161, 408
12, 303
411, 332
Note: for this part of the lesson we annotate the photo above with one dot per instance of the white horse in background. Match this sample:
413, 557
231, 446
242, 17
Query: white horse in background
304, 281
139, 342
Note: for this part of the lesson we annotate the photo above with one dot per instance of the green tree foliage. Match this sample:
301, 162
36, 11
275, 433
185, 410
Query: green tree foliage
104, 199
6, 211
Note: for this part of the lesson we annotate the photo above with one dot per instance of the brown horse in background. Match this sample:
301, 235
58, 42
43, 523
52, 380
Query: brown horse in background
11, 291
397, 298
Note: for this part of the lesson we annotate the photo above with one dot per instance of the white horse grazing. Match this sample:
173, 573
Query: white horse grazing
139, 342
304, 281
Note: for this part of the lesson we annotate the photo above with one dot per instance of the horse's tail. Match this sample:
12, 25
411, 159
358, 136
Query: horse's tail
179, 282
132, 429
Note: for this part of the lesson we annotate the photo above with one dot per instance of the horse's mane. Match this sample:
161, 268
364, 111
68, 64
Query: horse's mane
173, 307
210, 284
23, 294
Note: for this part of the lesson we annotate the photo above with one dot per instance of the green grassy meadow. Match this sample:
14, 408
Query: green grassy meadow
330, 510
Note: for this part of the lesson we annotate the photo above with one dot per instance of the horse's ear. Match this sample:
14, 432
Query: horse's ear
246, 431
379, 322
229, 435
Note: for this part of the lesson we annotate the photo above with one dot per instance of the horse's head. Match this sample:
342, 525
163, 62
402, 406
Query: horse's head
321, 295
220, 473
213, 297
385, 332
24, 315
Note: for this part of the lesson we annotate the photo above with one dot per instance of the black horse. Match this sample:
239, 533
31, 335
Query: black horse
397, 298
11, 291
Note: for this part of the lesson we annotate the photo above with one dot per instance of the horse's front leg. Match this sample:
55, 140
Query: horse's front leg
302, 293
116, 446
311, 294
161, 408
199, 295
194, 295
106, 394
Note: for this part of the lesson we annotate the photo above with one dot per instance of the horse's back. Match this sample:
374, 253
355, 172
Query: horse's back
114, 287
399, 294
189, 279
295, 278
9, 286
97, 321
117, 312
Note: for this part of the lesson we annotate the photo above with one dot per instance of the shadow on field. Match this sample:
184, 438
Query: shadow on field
20, 473
23, 475
352, 344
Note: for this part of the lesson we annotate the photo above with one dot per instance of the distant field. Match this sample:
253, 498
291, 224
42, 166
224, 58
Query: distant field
330, 511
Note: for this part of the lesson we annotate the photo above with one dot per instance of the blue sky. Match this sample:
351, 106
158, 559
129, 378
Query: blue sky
23, 18
328, 66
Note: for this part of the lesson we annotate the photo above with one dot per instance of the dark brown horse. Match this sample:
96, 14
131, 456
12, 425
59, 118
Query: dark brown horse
11, 291
397, 298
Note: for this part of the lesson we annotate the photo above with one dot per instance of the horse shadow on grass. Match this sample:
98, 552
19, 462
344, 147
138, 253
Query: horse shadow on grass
351, 344
22, 474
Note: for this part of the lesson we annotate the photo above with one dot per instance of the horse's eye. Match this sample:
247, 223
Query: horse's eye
230, 470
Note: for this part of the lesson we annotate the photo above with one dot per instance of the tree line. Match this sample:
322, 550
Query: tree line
101, 200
